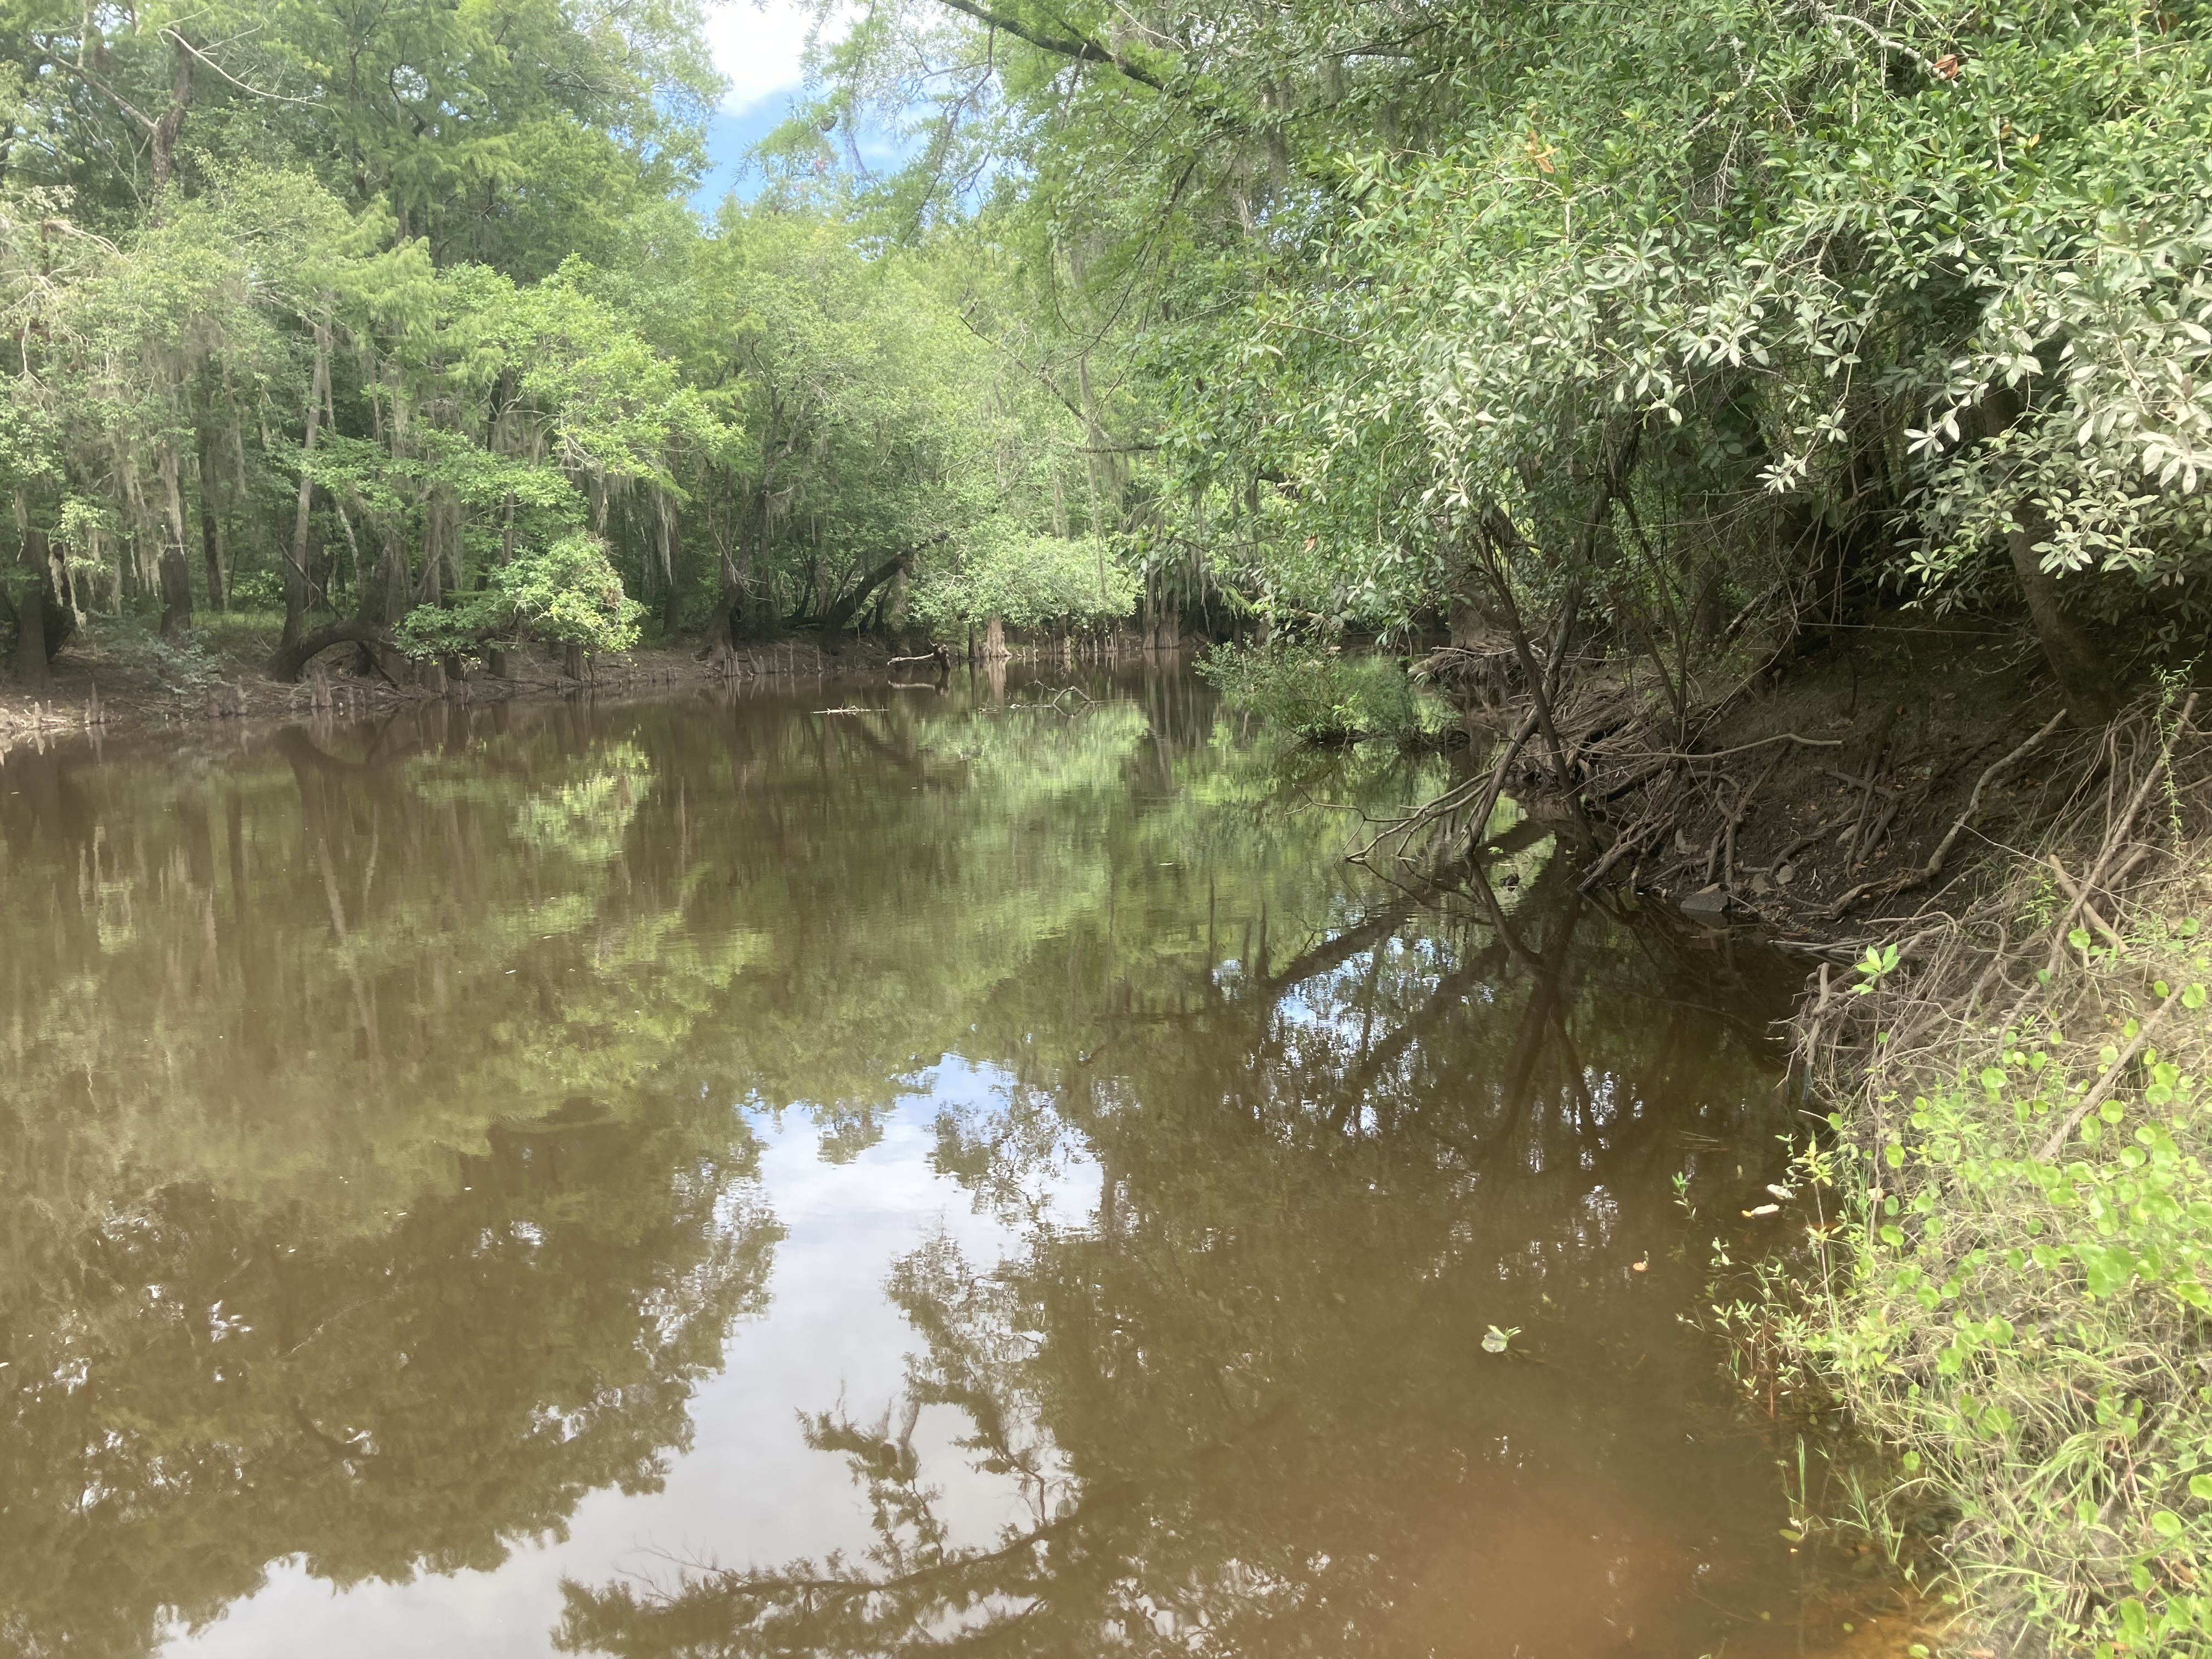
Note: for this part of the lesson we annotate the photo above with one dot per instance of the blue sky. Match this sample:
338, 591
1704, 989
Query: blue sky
759, 47
728, 137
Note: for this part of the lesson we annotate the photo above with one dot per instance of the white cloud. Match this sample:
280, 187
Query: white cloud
758, 46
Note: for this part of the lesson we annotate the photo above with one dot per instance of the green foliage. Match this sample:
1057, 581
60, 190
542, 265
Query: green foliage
511, 329
568, 593
1027, 580
1676, 310
1678, 306
2029, 1327
1323, 696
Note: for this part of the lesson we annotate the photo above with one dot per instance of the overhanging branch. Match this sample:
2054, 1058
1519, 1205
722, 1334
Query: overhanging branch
1080, 48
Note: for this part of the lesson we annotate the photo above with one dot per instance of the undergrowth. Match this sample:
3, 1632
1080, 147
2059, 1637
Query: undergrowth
2010, 1272
1322, 695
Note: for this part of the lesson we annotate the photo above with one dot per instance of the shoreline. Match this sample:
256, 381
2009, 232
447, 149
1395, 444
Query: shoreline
120, 680
1995, 1250
2005, 1272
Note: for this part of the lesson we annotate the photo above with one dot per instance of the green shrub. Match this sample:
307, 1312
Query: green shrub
2020, 1303
568, 593
258, 590
1324, 697
999, 568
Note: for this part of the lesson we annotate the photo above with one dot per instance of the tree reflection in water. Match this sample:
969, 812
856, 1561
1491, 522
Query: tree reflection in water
302, 1256
1246, 1409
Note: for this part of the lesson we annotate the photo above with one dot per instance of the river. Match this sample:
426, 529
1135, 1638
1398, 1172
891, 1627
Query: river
833, 1169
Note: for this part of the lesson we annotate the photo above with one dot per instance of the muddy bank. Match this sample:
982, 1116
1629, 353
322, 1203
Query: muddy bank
122, 676
1850, 779
2003, 1256
1994, 1250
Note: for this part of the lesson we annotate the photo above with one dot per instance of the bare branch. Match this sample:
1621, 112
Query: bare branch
179, 40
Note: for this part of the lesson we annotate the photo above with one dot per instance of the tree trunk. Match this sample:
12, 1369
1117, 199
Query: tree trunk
210, 542
161, 139
1496, 532
897, 602
296, 570
671, 542
63, 612
835, 618
290, 659
176, 569
383, 602
2085, 680
31, 634
721, 629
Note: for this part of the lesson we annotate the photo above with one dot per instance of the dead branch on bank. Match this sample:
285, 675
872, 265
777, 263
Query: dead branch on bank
2000, 948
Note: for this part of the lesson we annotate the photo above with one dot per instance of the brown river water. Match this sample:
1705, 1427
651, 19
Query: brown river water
854, 1171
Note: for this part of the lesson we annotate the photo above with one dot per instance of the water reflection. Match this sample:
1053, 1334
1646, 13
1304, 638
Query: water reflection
386, 1117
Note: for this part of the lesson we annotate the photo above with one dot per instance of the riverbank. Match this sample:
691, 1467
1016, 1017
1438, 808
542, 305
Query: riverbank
2007, 1267
1818, 791
1996, 1252
123, 675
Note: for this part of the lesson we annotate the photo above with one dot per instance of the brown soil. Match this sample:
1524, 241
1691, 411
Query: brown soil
1843, 769
1903, 719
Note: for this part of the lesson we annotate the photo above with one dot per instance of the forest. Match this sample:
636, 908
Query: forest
1772, 436
1330, 321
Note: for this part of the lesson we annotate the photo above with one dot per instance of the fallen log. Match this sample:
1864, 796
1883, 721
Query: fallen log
289, 661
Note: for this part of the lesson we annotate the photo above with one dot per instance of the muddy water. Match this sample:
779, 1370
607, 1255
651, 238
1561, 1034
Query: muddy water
723, 1176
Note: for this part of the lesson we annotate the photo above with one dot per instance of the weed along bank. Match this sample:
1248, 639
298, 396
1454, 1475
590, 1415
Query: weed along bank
2003, 1279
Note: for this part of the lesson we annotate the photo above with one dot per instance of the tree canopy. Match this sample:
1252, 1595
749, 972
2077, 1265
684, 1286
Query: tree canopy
1324, 316
1744, 307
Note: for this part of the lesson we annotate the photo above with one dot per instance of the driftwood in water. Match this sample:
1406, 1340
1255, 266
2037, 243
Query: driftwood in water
939, 659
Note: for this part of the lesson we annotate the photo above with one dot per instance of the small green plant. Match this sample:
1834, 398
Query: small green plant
1873, 966
2012, 1287
1497, 1342
2172, 683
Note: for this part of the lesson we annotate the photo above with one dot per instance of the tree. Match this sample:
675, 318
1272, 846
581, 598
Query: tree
1708, 305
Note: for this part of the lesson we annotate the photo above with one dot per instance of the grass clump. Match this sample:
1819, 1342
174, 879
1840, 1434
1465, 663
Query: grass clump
1324, 697
2011, 1268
